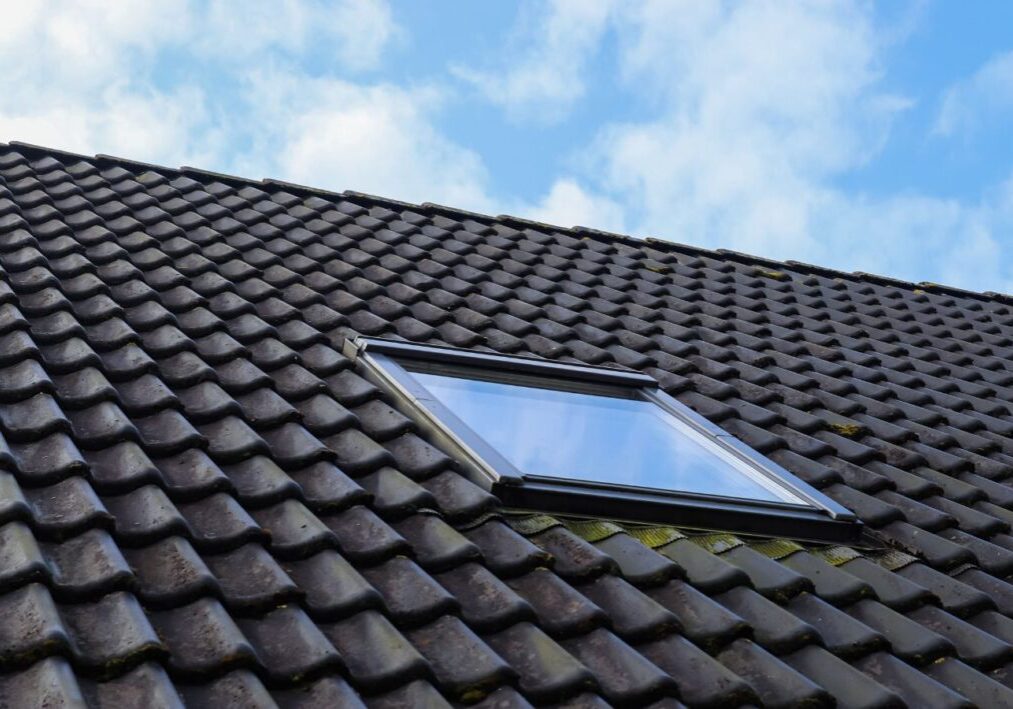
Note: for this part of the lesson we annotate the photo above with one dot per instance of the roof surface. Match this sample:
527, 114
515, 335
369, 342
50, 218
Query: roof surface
204, 504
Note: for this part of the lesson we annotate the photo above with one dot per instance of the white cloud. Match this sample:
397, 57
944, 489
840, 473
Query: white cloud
567, 203
167, 128
76, 46
81, 74
64, 82
746, 135
353, 32
986, 96
541, 80
339, 135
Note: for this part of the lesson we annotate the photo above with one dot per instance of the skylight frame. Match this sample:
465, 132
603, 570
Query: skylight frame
388, 363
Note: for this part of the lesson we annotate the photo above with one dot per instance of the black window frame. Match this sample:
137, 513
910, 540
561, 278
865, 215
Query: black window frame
389, 364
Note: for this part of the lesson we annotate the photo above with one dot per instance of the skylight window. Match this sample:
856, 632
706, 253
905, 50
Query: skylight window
595, 441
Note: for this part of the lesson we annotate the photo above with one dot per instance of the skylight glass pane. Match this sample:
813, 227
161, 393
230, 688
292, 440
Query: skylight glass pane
591, 437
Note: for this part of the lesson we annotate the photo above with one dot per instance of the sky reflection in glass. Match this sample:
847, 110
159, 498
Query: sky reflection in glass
591, 437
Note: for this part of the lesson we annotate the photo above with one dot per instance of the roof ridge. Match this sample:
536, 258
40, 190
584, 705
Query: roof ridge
577, 231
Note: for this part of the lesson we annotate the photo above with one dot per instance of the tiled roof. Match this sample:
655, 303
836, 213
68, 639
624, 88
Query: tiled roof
203, 503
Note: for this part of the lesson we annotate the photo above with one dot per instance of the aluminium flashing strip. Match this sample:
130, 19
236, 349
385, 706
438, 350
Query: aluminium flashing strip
819, 518
661, 507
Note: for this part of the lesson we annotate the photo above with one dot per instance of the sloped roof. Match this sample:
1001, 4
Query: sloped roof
202, 502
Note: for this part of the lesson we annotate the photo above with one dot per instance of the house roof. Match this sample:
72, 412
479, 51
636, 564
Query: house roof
203, 502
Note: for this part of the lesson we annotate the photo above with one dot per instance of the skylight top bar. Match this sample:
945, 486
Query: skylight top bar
512, 363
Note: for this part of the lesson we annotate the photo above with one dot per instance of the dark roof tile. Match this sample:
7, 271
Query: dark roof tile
33, 629
573, 556
774, 682
706, 571
66, 508
414, 694
640, 565
231, 439
295, 531
203, 639
325, 692
546, 671
108, 653
237, 690
909, 640
842, 634
333, 588
219, 523
21, 558
417, 458
251, 580
146, 685
846, 684
437, 545
47, 460
979, 689
830, 582
410, 595
357, 453
958, 598
121, 467
145, 515
635, 617
771, 579
326, 488
395, 495
289, 645
560, 609
487, 604
892, 589
49, 682
914, 686
975, 647
170, 572
774, 628
84, 566
191, 475
376, 654
701, 619
464, 666
505, 551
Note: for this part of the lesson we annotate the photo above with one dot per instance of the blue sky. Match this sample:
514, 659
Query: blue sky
870, 137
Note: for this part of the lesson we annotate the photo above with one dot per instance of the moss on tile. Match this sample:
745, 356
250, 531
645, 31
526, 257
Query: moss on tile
777, 549
532, 524
835, 556
655, 537
657, 267
893, 560
593, 530
775, 275
848, 430
717, 543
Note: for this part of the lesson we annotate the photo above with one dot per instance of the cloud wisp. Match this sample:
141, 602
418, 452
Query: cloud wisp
984, 97
543, 75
